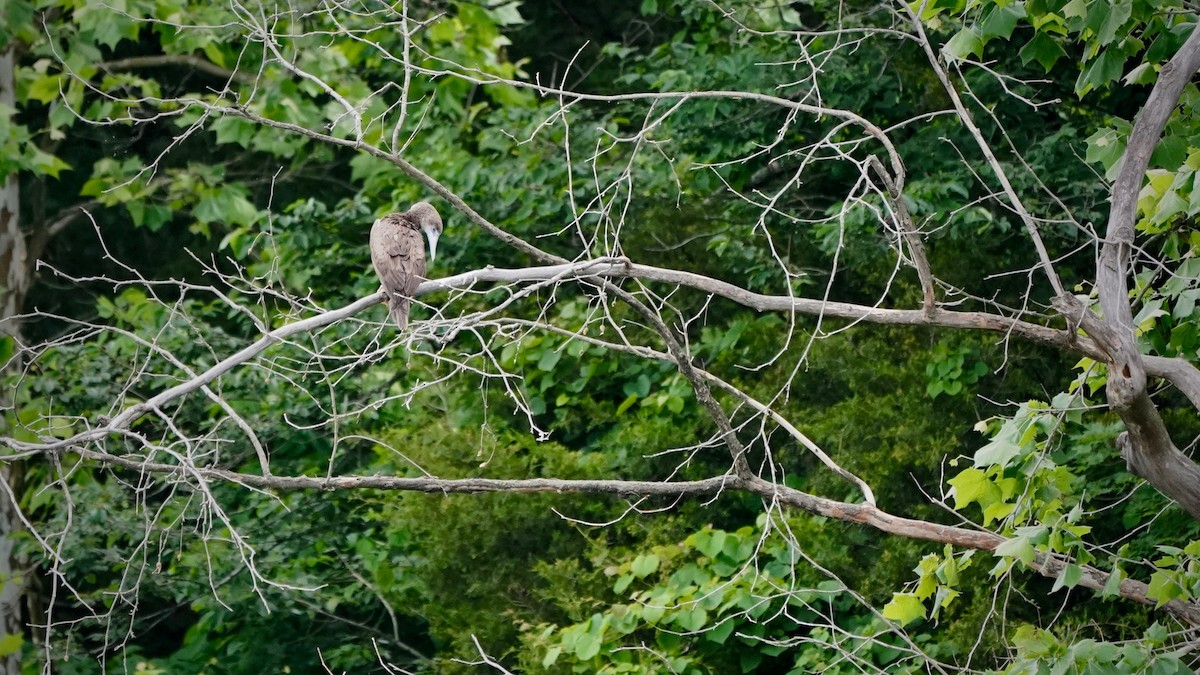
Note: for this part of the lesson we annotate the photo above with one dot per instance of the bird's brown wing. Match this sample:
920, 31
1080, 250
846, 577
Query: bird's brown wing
398, 254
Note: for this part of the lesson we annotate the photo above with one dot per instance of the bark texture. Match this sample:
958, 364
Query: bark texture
1146, 446
14, 283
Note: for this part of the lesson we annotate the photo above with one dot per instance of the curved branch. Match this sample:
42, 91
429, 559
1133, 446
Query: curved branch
964, 115
864, 514
612, 267
1148, 449
760, 302
1143, 139
188, 60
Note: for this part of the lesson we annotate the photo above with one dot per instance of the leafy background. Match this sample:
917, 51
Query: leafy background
427, 582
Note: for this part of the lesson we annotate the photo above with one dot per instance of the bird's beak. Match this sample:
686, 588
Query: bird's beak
433, 237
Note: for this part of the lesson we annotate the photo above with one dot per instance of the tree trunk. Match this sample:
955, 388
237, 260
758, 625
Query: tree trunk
14, 283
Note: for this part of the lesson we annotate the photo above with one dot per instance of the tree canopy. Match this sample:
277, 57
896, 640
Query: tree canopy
763, 336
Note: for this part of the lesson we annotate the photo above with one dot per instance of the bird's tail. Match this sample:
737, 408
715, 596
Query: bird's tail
399, 311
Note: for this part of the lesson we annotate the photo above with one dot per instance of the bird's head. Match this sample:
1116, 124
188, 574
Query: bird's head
431, 224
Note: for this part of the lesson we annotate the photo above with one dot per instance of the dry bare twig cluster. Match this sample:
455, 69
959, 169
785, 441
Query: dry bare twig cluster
171, 453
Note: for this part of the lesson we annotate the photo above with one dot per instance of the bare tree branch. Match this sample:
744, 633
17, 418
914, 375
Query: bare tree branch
854, 513
166, 60
1148, 449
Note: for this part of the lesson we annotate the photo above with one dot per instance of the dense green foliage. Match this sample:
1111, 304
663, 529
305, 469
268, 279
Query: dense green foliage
205, 228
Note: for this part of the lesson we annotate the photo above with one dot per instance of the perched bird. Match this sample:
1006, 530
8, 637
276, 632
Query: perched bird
398, 254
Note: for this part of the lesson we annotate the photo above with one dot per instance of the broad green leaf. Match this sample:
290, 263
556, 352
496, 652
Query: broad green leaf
1000, 451
1164, 588
1077, 9
653, 610
1102, 70
644, 565
720, 633
904, 608
1112, 586
385, 576
549, 359
1019, 548
1106, 147
997, 510
693, 619
1169, 205
1106, 18
1069, 577
45, 88
966, 43
587, 646
627, 403
10, 644
622, 583
713, 545
999, 21
970, 485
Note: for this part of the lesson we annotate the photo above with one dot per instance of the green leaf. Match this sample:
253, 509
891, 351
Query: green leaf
1169, 205
966, 43
506, 15
1112, 587
1069, 577
1164, 588
713, 544
639, 387
551, 656
1102, 70
1107, 18
1035, 642
1017, 547
644, 565
1142, 74
693, 619
227, 206
970, 485
623, 582
720, 633
1000, 21
10, 644
627, 403
996, 511
1157, 633
653, 610
587, 647
1186, 304
1043, 49
45, 164
549, 359
945, 595
1106, 147
1075, 9
904, 608
385, 576
44, 89
588, 644
1000, 452
537, 405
